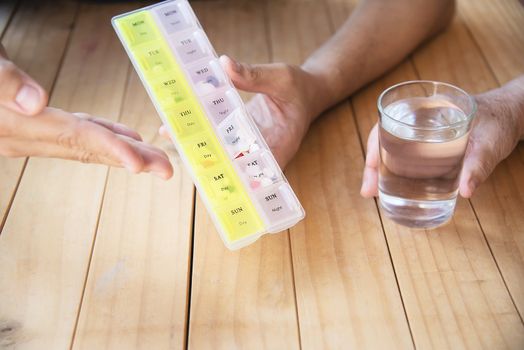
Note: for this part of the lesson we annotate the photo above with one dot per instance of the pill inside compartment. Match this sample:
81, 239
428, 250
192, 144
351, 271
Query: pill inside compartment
154, 58
191, 46
279, 204
220, 185
168, 90
175, 17
259, 169
202, 152
237, 135
207, 76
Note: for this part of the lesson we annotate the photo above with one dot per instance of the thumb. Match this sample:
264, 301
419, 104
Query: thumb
370, 177
260, 78
18, 92
476, 169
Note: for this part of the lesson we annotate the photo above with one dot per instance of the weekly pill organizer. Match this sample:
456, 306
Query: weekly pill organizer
235, 173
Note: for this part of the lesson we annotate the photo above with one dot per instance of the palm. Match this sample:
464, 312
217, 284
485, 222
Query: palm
280, 124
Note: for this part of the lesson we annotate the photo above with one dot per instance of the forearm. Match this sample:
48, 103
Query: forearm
377, 36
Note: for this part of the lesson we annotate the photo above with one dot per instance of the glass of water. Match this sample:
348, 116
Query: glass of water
424, 130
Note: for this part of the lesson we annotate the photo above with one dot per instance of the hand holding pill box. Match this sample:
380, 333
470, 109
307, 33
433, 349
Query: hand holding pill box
235, 173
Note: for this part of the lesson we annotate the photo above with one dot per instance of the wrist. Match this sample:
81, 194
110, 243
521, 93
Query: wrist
319, 91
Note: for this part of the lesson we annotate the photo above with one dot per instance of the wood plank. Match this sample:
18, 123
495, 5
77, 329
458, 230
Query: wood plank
452, 290
242, 299
7, 10
137, 289
497, 29
346, 288
47, 239
24, 45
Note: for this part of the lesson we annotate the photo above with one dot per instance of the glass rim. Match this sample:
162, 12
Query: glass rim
468, 119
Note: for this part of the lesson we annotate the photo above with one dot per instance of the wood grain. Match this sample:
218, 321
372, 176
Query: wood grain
242, 299
346, 288
23, 43
97, 259
137, 289
452, 290
497, 30
496, 26
48, 236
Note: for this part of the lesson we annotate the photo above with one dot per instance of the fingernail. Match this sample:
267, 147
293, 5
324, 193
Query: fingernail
234, 64
130, 168
472, 184
28, 98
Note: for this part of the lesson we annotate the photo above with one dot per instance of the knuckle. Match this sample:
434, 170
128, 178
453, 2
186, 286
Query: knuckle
69, 138
254, 72
9, 151
86, 157
288, 73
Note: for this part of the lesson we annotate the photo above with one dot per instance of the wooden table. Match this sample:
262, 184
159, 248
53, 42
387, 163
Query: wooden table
93, 258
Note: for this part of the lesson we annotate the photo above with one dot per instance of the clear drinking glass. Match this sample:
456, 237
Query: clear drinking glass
424, 130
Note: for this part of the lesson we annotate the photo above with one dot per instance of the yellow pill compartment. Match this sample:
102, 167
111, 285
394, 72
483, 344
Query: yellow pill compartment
186, 120
138, 29
239, 218
220, 183
154, 58
202, 152
168, 90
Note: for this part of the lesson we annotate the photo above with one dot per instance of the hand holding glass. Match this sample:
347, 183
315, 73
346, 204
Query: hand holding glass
424, 130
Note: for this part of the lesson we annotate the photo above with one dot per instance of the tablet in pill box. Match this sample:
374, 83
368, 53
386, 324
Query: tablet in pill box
237, 177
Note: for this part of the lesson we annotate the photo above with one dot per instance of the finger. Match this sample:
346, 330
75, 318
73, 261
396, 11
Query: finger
13, 147
476, 169
18, 91
155, 161
92, 138
56, 133
370, 177
144, 145
260, 78
162, 131
81, 135
117, 128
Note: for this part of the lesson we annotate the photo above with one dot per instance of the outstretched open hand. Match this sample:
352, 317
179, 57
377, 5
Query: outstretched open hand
28, 128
